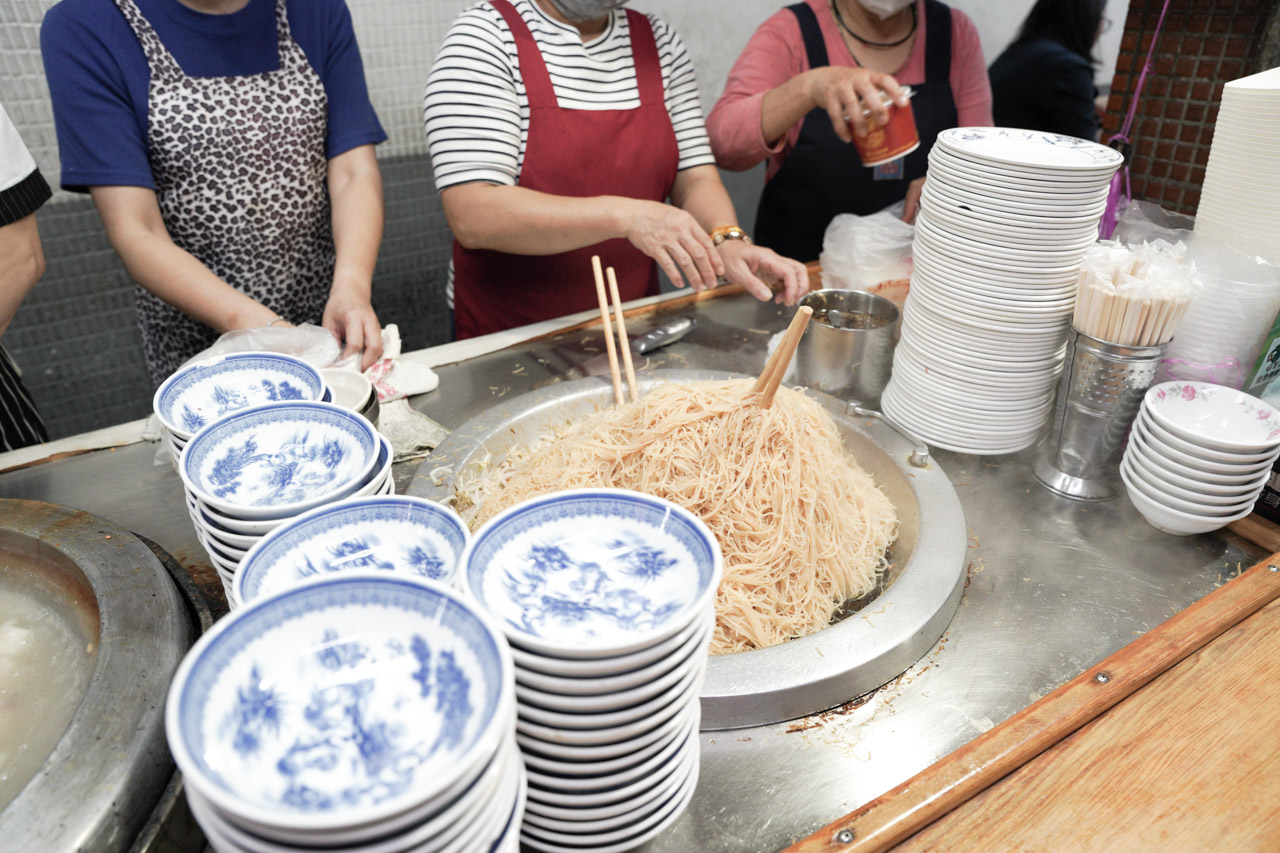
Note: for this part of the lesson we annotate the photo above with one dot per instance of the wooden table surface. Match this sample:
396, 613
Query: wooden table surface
1186, 763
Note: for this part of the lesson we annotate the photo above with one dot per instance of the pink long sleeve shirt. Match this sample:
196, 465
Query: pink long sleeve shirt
776, 53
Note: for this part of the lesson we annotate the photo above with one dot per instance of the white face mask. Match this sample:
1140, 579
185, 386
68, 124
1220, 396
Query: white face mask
581, 11
884, 9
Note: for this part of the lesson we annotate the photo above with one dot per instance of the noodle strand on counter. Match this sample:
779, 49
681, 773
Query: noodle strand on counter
802, 528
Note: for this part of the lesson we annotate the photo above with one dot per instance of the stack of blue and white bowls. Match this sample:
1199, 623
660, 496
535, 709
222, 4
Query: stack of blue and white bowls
407, 536
607, 599
200, 393
258, 468
357, 713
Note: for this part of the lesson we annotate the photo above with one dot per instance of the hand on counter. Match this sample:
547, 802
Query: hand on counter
674, 239
351, 318
763, 272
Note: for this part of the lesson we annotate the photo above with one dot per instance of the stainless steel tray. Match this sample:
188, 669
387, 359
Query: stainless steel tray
874, 641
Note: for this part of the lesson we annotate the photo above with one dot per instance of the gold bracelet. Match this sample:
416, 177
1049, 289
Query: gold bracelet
728, 232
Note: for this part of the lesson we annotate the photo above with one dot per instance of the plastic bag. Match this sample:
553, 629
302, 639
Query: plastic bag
1144, 222
871, 253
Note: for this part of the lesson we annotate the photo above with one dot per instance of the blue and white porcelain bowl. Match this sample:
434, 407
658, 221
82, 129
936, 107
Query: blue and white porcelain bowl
280, 460
409, 536
592, 573
200, 394
340, 704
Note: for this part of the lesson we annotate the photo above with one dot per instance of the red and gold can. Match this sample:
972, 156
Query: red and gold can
886, 143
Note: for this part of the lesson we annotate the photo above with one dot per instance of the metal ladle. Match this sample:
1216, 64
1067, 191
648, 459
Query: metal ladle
835, 319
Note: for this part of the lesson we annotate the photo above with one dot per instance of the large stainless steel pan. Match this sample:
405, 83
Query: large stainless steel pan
872, 640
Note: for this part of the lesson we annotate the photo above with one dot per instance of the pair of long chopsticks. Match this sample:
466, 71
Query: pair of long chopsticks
608, 333
776, 366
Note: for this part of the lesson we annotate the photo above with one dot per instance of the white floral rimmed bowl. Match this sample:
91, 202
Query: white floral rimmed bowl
1184, 487
1214, 416
279, 460
202, 393
593, 573
1194, 462
406, 535
1185, 475
1163, 518
1185, 500
1161, 434
381, 469
287, 714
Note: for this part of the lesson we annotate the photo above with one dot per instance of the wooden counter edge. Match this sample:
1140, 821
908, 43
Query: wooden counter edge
908, 808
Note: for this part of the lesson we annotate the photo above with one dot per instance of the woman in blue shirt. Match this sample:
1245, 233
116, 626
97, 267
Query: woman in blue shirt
228, 147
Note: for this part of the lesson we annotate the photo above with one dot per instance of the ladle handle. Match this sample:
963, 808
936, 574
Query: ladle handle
919, 457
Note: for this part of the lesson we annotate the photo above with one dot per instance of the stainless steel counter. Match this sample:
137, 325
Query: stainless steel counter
1054, 586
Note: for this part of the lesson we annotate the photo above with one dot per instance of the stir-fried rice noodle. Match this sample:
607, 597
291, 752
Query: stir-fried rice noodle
801, 526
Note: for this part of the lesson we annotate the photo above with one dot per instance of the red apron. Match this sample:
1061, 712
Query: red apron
581, 153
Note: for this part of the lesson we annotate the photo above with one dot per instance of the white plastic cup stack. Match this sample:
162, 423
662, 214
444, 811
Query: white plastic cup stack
607, 599
1199, 455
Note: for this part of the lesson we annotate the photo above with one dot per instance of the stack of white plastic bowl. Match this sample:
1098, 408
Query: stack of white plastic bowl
356, 714
1199, 455
1238, 201
256, 469
607, 598
1005, 219
201, 393
410, 536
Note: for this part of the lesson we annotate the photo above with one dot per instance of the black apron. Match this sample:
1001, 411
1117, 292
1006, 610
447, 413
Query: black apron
823, 175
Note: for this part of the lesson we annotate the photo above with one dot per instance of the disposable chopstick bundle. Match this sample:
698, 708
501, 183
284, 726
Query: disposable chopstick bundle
1133, 296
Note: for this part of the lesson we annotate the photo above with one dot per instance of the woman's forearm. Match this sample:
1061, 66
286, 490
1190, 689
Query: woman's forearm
700, 192
521, 221
786, 105
355, 195
137, 233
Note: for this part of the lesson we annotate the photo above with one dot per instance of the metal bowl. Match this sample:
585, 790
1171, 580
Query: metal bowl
98, 787
913, 604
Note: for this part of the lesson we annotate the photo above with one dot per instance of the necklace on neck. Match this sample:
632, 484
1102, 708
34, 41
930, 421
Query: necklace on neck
835, 7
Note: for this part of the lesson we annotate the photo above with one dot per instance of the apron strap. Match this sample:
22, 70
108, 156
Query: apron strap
937, 48
814, 46
537, 80
644, 55
161, 61
290, 54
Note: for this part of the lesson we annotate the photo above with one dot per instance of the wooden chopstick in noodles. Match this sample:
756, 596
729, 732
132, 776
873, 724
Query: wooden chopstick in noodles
623, 343
608, 330
783, 354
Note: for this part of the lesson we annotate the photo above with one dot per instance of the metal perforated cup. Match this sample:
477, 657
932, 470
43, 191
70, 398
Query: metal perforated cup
1098, 400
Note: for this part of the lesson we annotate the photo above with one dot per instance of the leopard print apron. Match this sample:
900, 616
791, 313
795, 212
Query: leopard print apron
240, 171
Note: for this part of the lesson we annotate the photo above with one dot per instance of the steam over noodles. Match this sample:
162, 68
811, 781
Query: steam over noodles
802, 528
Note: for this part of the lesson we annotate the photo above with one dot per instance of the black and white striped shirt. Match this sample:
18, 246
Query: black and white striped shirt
476, 110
